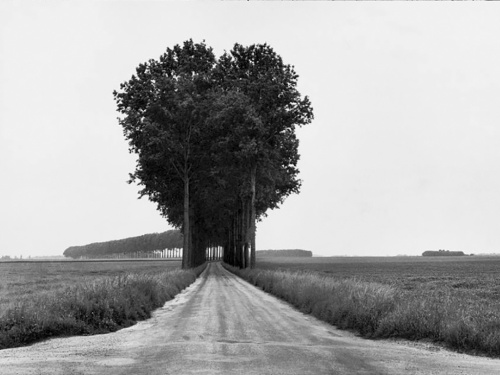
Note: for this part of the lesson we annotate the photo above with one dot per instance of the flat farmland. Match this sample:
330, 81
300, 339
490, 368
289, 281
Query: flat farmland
21, 281
475, 276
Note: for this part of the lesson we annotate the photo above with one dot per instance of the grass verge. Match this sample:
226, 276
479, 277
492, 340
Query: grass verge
105, 304
381, 311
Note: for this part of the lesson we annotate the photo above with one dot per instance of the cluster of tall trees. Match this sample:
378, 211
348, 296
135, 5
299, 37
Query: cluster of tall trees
171, 239
215, 140
442, 253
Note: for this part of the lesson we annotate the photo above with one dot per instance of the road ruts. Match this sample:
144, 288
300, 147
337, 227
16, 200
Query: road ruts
223, 325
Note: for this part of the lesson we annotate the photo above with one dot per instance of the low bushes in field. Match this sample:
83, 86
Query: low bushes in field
101, 305
380, 311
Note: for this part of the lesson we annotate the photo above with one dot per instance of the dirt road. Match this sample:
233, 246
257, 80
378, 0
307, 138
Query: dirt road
223, 325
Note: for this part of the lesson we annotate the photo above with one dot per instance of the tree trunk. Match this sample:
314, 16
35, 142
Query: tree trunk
186, 252
247, 234
192, 239
253, 177
237, 240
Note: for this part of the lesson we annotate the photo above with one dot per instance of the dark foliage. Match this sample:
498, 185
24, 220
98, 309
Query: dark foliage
442, 253
215, 140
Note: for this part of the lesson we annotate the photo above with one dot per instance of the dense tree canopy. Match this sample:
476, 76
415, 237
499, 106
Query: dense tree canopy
215, 140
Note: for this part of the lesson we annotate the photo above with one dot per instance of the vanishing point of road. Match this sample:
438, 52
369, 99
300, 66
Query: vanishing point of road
223, 325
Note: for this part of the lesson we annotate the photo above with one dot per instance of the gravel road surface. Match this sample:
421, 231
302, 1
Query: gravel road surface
223, 325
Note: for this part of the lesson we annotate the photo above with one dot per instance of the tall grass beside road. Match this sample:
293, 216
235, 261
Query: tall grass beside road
377, 310
99, 305
21, 281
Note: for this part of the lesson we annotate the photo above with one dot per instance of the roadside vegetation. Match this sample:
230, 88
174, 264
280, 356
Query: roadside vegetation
93, 305
22, 281
441, 309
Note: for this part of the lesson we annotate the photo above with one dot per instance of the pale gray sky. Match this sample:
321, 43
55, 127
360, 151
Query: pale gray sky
403, 154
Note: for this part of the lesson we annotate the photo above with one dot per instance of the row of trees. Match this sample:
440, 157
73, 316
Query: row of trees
215, 140
440, 253
285, 253
171, 239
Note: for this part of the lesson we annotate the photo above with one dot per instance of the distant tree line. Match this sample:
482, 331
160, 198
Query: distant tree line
284, 253
215, 142
442, 253
8, 257
171, 239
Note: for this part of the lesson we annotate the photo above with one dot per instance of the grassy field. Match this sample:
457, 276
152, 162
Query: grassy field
476, 276
46, 299
20, 281
454, 301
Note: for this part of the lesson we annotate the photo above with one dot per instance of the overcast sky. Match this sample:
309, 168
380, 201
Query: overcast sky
403, 154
